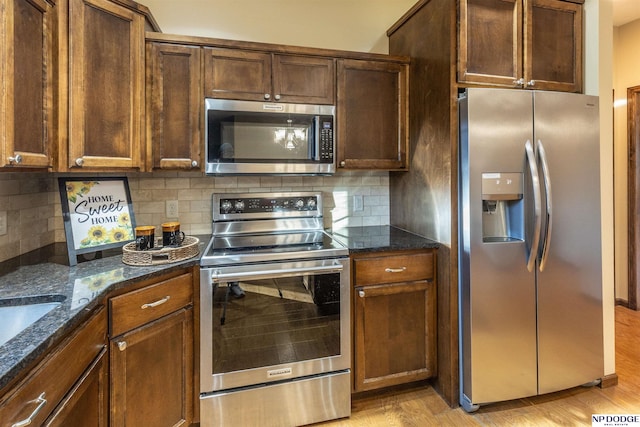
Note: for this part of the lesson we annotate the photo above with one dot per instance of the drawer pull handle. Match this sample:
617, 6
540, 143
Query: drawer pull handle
122, 345
41, 401
157, 303
361, 294
395, 270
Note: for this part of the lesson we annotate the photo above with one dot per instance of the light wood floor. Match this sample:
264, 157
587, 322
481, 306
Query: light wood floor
573, 407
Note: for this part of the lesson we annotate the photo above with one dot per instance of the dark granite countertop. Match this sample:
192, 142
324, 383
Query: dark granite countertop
381, 238
80, 289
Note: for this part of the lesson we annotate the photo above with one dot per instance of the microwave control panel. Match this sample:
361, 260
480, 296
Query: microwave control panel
325, 153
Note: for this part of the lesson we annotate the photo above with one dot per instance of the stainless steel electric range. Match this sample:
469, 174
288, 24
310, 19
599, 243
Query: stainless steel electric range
274, 318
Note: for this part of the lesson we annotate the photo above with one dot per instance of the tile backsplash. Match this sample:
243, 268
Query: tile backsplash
27, 198
34, 214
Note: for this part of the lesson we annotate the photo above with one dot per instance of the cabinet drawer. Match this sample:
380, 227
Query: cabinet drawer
54, 377
394, 268
136, 308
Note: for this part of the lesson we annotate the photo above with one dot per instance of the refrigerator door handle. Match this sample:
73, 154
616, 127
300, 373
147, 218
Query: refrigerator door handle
537, 202
549, 206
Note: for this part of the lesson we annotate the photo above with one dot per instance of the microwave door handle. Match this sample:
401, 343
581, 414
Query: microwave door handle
316, 139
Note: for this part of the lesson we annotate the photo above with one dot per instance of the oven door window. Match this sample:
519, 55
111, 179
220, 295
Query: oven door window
260, 137
267, 322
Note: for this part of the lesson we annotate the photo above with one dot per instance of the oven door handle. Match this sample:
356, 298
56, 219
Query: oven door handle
273, 274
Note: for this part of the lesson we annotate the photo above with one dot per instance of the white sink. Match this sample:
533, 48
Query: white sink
16, 318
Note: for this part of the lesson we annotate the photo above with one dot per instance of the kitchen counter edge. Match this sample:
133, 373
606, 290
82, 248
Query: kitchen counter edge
83, 287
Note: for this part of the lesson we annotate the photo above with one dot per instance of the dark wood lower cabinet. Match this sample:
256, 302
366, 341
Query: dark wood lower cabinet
394, 343
152, 373
87, 404
135, 367
394, 319
68, 387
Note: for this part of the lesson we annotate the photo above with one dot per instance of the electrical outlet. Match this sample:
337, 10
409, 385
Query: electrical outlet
172, 208
3, 223
358, 203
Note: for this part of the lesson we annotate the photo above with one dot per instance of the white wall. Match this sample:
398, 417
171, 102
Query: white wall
599, 81
358, 25
626, 74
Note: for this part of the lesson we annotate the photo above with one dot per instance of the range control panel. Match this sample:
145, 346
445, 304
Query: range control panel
265, 205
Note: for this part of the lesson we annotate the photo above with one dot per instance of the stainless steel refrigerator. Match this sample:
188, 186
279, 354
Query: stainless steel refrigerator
530, 269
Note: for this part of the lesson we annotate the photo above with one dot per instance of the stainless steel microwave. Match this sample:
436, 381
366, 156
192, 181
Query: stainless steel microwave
248, 137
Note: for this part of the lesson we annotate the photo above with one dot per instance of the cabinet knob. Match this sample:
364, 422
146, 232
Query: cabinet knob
361, 294
17, 159
79, 161
41, 401
395, 270
531, 83
122, 345
194, 163
519, 82
267, 96
343, 164
277, 97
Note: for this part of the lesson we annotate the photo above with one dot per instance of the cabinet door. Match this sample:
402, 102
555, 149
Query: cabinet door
553, 45
237, 74
174, 105
490, 42
395, 327
86, 404
301, 79
46, 386
106, 61
151, 374
372, 115
26, 84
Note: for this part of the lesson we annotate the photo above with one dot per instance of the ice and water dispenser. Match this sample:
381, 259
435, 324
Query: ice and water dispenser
502, 207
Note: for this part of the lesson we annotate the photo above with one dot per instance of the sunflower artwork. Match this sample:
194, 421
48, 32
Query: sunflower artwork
97, 212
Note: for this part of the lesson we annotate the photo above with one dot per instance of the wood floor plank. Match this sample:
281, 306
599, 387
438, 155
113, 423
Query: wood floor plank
574, 407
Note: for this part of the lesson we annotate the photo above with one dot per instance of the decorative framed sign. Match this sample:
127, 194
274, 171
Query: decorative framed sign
97, 214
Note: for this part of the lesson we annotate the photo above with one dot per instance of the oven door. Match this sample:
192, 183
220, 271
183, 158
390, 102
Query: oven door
290, 321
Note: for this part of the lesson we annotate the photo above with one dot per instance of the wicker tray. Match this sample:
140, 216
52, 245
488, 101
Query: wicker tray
162, 255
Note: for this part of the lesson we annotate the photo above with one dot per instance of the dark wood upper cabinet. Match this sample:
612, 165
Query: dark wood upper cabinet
104, 48
490, 41
26, 83
535, 44
372, 114
263, 76
174, 105
553, 45
301, 79
237, 74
